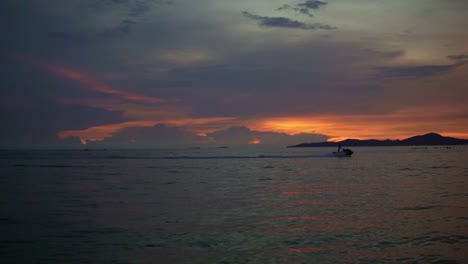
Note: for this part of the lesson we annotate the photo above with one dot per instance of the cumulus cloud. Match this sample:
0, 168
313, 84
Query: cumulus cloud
284, 22
162, 135
241, 135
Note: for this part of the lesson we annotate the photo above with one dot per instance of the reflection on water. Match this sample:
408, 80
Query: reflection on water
383, 205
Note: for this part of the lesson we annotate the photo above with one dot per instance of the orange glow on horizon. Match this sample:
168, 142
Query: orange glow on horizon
255, 141
395, 125
290, 125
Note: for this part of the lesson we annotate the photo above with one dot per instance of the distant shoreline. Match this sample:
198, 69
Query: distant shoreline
430, 139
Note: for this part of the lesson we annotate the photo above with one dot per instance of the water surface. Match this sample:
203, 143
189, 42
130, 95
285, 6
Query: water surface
253, 205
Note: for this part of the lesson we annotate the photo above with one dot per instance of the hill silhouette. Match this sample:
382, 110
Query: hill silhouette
430, 139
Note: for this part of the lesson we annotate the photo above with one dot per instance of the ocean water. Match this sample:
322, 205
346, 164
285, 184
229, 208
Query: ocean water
251, 205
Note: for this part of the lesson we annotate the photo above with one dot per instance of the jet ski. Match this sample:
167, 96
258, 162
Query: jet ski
343, 153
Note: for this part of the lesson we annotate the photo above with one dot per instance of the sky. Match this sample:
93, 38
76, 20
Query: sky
151, 73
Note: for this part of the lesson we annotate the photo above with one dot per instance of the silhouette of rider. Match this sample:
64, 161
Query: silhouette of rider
339, 147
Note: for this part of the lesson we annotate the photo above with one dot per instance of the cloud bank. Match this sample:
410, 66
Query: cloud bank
162, 135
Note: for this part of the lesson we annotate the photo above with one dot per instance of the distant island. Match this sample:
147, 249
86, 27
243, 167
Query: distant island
431, 139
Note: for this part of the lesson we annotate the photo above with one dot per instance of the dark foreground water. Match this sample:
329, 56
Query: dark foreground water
383, 205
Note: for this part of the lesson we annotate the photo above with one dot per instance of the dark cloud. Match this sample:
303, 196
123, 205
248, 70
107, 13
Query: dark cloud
79, 22
284, 22
304, 7
459, 58
134, 11
312, 4
420, 71
304, 80
276, 21
32, 123
133, 8
301, 10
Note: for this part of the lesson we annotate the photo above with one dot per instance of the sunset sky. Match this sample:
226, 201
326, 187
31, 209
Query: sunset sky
139, 73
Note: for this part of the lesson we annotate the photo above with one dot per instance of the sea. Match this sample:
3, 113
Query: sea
235, 205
